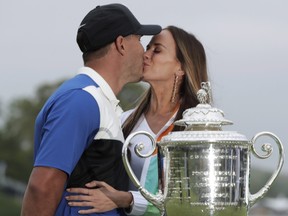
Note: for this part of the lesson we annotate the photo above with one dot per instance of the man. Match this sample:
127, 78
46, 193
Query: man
78, 137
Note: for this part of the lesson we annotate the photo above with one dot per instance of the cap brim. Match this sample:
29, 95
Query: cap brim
149, 30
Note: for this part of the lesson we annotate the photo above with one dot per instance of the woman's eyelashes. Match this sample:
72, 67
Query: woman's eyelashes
156, 50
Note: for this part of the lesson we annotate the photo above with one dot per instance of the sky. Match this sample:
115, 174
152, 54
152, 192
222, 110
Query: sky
246, 44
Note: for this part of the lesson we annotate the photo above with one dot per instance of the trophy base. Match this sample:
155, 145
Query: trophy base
176, 208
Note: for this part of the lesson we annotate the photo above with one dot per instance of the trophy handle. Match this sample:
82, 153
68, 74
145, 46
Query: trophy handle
268, 149
158, 199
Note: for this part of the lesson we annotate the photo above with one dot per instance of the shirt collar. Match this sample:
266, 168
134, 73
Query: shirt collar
104, 86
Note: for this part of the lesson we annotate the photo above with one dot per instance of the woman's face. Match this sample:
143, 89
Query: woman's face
160, 61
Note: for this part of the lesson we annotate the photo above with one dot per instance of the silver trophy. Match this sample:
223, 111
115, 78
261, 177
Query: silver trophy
206, 170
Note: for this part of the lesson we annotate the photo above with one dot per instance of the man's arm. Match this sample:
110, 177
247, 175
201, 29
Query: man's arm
44, 191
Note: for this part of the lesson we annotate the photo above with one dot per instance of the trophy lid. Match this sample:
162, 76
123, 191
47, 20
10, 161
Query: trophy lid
203, 116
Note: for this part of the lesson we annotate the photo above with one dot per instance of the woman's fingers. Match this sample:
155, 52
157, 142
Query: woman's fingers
99, 200
92, 184
93, 209
78, 198
84, 203
79, 190
88, 211
96, 200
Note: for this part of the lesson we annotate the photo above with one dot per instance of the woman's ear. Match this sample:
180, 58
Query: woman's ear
179, 72
119, 44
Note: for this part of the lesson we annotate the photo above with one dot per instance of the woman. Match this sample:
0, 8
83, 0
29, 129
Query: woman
174, 66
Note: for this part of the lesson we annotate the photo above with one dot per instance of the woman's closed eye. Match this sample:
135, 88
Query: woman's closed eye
156, 50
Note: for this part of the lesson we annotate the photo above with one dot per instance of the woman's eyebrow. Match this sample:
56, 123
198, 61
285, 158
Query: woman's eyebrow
155, 44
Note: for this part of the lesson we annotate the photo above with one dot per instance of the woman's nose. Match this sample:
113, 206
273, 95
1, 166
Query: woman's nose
146, 55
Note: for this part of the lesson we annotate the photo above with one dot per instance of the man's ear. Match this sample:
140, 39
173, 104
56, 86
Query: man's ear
119, 43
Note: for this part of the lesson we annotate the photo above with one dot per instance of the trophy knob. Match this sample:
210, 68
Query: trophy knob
203, 116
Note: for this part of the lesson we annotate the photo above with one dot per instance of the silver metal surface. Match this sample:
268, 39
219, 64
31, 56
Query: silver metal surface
206, 170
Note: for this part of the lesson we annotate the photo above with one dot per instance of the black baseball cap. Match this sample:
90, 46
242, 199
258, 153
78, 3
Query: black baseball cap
104, 24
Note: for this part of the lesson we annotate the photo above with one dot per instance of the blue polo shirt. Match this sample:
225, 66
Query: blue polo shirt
78, 131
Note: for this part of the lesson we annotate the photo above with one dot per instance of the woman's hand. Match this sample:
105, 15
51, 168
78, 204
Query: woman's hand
103, 198
98, 198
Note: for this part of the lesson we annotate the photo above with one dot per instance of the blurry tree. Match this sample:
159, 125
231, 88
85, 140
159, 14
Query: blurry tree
16, 134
